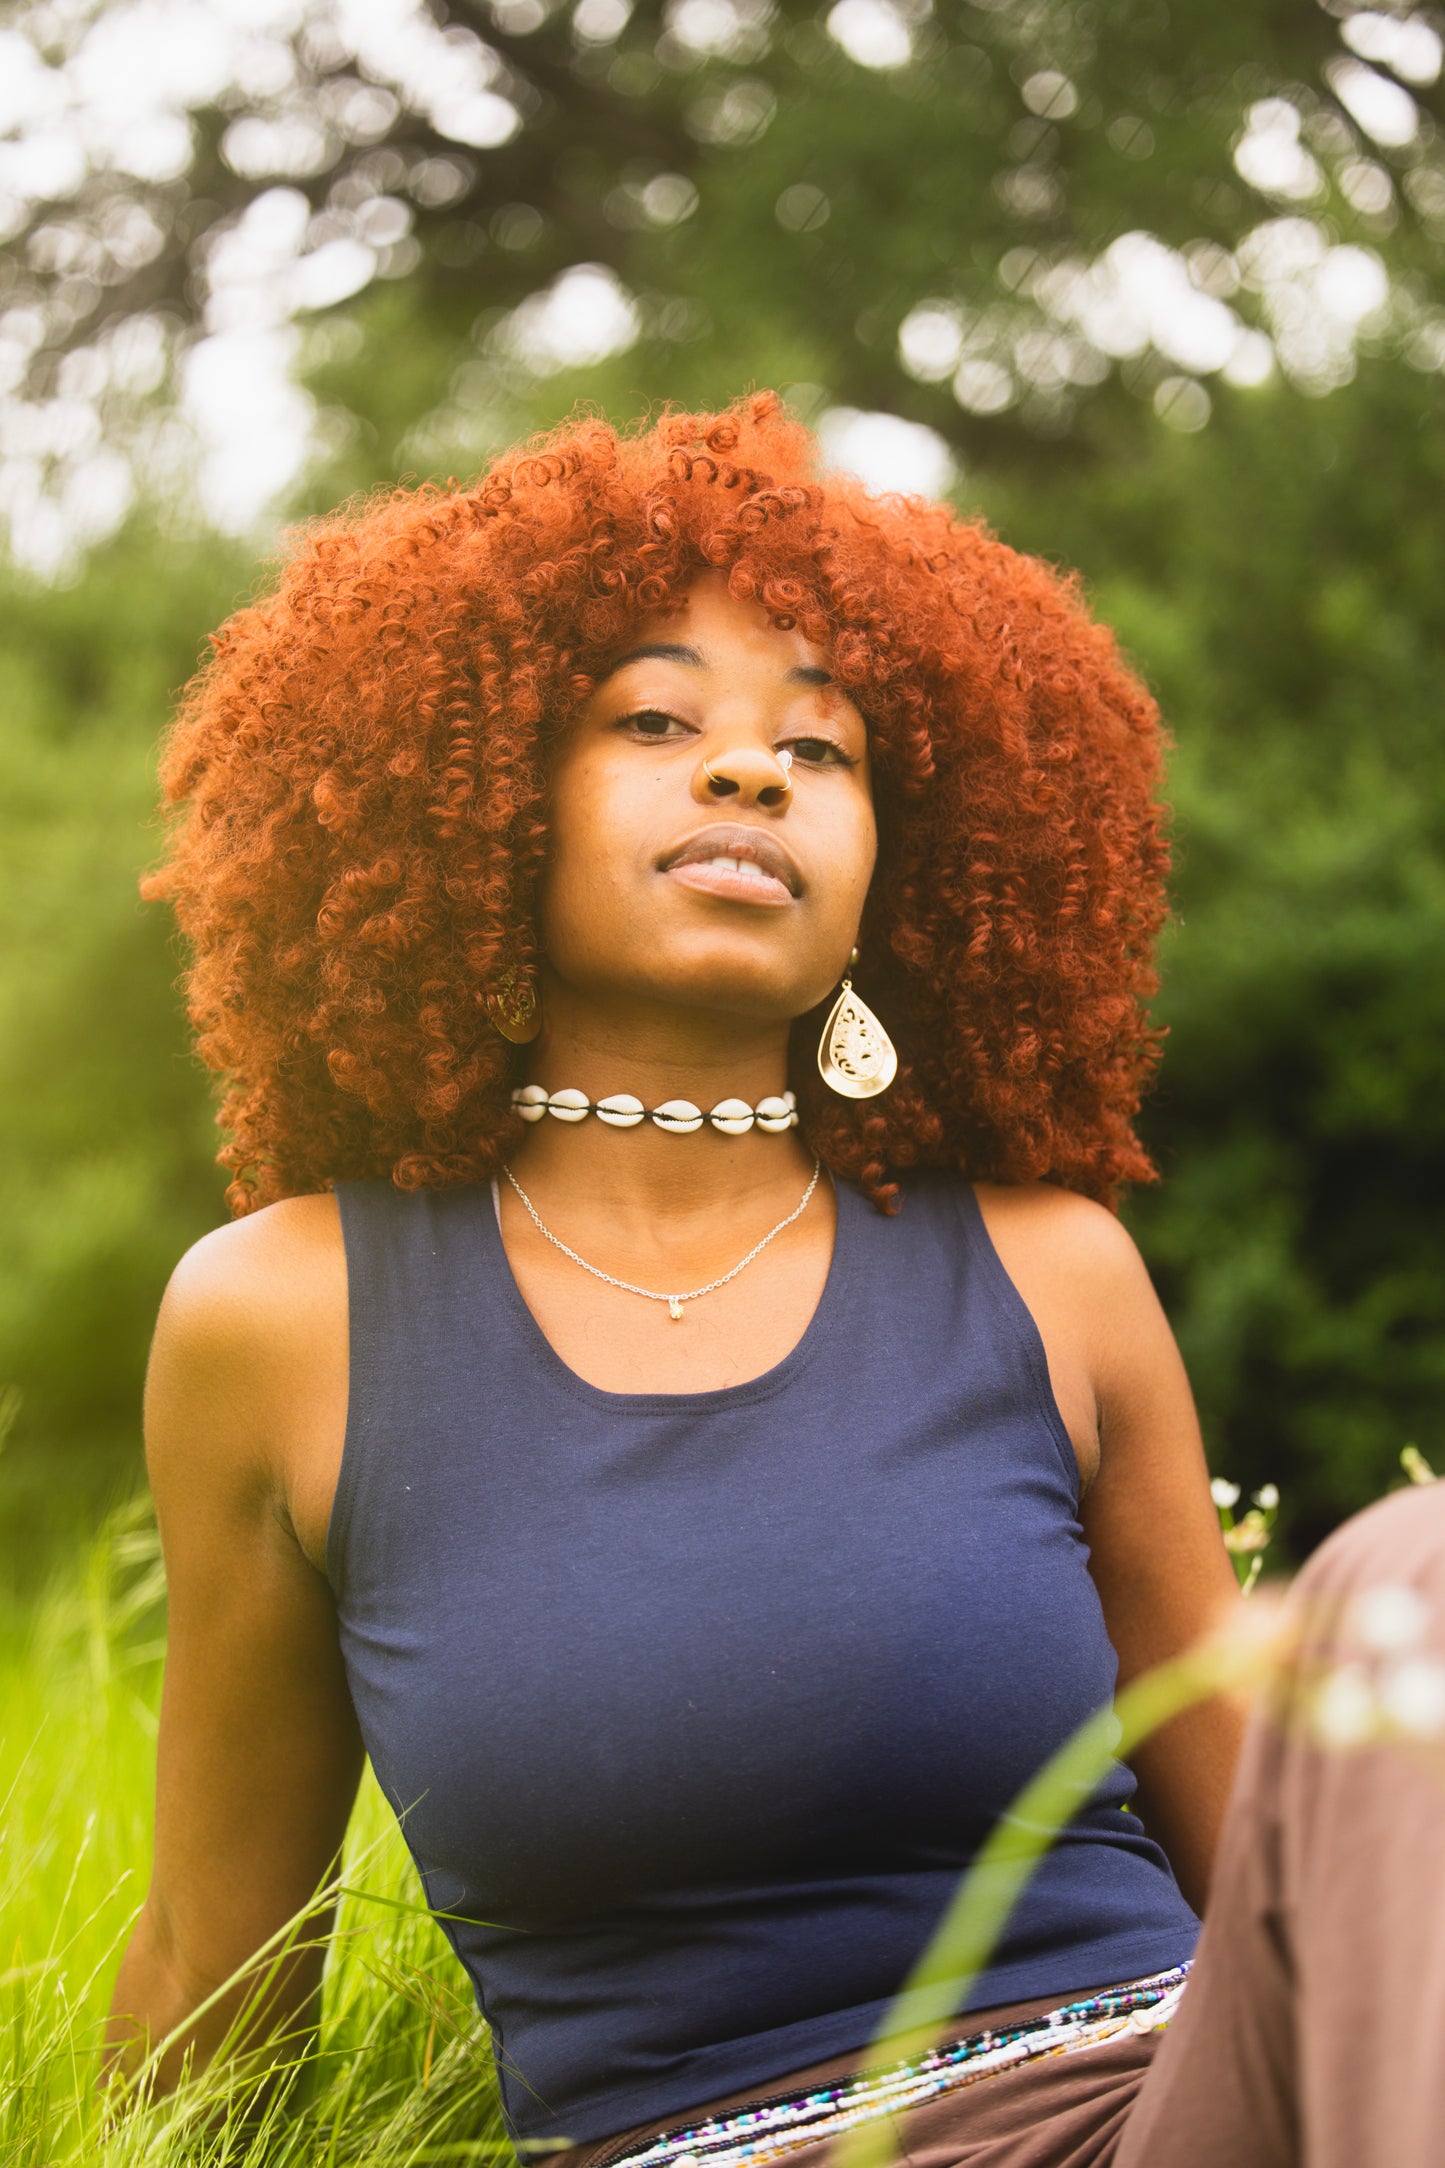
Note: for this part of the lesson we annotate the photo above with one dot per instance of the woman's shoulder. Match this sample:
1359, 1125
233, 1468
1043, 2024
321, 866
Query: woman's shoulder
1087, 1234
255, 1270
1065, 1250
250, 1342
1078, 1235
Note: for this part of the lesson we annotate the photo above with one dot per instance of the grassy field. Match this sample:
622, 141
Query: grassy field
404, 2073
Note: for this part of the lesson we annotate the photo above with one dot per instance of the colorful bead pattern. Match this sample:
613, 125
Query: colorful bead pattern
768, 2130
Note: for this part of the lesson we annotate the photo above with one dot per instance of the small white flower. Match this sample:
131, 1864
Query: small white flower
1412, 1696
1250, 1534
1387, 1620
1344, 1707
1267, 1497
1224, 1494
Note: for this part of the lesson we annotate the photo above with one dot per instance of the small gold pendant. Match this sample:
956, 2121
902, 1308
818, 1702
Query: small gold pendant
674, 1308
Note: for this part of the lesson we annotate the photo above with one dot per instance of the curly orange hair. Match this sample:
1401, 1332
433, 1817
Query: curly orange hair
363, 767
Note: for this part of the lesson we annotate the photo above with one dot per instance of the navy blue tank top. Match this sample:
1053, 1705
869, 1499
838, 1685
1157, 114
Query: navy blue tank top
695, 1706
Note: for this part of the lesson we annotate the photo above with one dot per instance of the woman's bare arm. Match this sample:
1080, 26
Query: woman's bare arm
1155, 1551
1157, 1555
258, 1755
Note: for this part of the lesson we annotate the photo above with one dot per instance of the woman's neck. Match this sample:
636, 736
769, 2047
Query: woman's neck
645, 1174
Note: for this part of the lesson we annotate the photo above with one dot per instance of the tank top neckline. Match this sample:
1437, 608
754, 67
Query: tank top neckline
820, 1331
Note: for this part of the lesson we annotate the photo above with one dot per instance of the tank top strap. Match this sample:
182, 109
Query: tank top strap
414, 1303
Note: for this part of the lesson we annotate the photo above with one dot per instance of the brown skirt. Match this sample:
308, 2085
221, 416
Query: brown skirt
1063, 2111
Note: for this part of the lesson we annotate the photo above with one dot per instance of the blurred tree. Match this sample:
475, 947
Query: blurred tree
982, 216
1277, 578
105, 1171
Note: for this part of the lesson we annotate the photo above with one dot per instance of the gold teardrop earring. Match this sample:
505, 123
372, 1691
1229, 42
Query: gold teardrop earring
856, 1057
514, 1008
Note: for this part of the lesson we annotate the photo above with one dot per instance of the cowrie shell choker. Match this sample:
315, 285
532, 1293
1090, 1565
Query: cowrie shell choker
620, 1110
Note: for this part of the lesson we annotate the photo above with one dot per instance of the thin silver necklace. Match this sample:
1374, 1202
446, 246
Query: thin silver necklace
674, 1302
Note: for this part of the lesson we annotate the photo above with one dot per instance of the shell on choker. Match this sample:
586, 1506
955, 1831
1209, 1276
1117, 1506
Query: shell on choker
620, 1110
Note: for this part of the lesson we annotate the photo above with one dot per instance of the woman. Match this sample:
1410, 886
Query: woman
694, 1420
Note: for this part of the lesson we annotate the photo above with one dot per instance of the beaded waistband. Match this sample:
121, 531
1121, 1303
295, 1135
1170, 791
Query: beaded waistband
759, 2131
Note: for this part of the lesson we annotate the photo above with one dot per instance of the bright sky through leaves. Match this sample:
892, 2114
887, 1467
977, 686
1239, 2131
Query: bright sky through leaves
122, 120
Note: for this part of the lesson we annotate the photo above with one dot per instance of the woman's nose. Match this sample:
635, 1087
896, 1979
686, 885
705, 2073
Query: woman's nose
751, 774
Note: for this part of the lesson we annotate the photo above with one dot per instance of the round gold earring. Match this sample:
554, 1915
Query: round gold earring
514, 1008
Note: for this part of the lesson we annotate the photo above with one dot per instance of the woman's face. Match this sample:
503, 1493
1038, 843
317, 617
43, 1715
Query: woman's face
683, 869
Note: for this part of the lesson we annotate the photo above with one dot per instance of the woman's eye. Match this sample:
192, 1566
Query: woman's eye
651, 723
818, 752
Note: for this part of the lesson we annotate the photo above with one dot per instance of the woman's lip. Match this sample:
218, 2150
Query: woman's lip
715, 880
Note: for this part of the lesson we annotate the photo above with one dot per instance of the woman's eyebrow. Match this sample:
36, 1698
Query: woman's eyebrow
672, 651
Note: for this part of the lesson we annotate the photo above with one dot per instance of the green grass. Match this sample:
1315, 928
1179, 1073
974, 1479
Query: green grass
403, 2071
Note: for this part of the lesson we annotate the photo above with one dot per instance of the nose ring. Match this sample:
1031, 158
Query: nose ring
785, 762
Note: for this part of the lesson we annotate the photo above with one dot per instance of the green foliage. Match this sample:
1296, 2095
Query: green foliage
104, 1173
403, 2074
1277, 579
